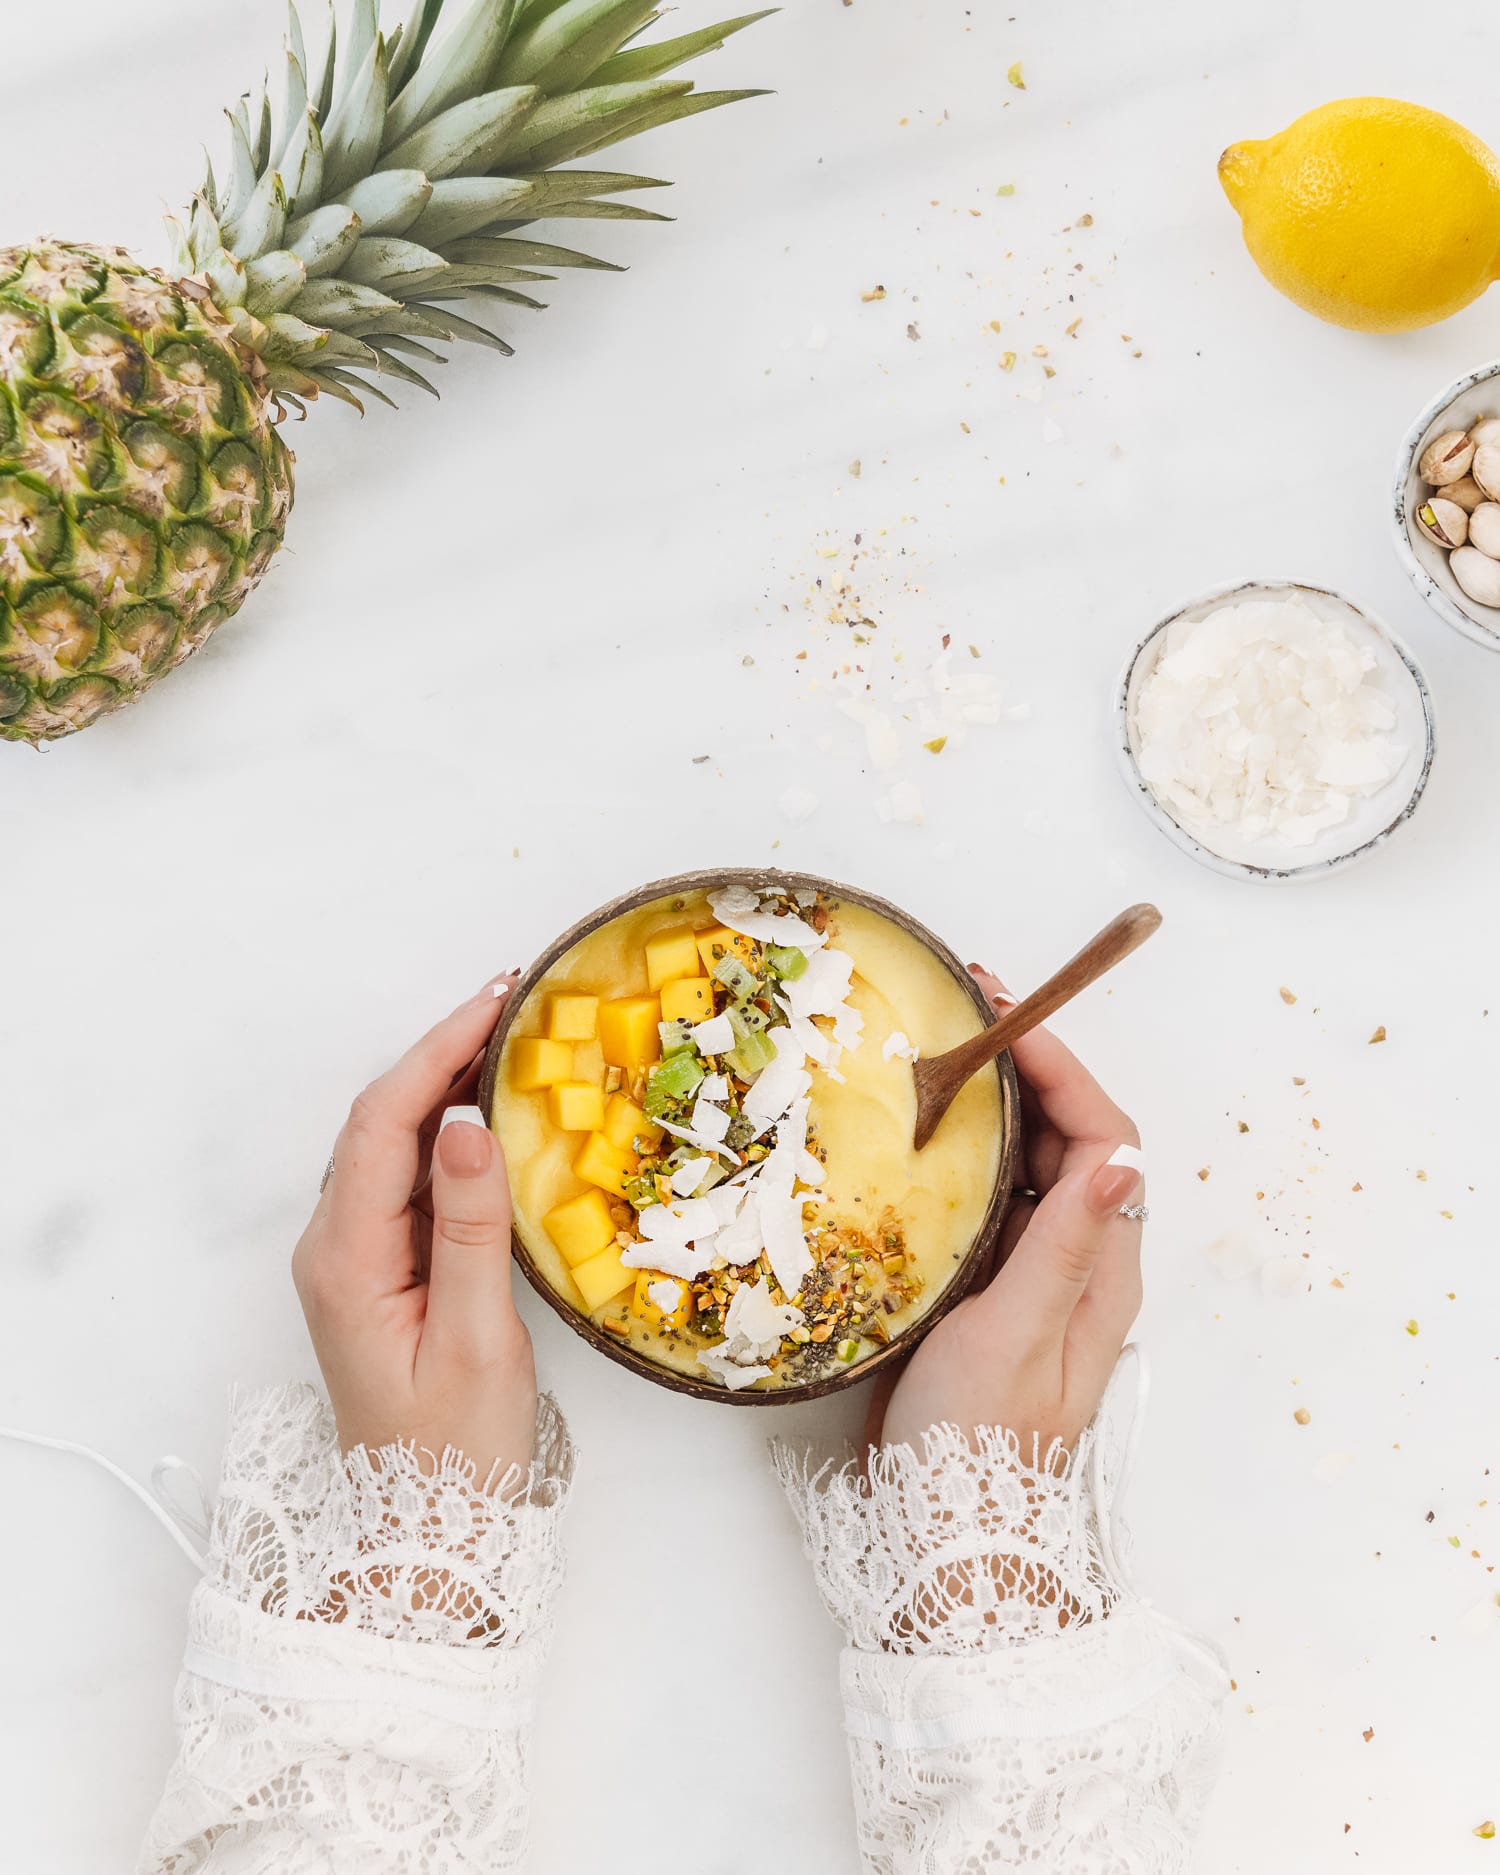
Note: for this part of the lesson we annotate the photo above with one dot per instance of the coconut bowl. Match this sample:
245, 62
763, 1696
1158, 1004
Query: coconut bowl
974, 1268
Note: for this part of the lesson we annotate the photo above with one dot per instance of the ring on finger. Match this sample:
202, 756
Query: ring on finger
1137, 1213
327, 1174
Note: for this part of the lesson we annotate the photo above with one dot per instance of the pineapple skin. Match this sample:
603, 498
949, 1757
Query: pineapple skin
144, 488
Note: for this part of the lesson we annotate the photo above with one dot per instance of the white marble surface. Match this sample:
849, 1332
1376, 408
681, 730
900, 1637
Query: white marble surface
441, 732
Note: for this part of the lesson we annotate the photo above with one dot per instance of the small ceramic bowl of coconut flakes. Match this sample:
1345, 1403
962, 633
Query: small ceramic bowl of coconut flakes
1445, 505
1273, 730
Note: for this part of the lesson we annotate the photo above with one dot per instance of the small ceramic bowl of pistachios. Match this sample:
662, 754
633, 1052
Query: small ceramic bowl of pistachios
1446, 505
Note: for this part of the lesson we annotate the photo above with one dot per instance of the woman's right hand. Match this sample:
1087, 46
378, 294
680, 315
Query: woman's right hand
1034, 1351
404, 1270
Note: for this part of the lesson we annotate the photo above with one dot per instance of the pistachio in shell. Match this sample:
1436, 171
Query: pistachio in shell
1466, 492
1444, 522
1446, 459
1478, 575
1486, 470
1484, 529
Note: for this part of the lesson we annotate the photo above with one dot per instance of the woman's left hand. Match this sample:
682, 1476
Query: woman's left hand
404, 1271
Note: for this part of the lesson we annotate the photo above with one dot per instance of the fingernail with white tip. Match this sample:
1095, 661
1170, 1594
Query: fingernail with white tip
1128, 1155
470, 1116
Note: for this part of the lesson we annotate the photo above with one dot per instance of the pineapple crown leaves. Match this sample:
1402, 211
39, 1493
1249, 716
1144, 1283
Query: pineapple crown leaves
400, 173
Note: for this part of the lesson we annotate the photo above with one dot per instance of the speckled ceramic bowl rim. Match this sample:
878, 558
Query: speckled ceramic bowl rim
1472, 628
1175, 831
982, 1253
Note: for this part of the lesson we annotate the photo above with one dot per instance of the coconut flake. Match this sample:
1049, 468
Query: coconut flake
798, 804
666, 1294
728, 1371
714, 1037
776, 1088
902, 805
896, 1044
737, 907
709, 1121
760, 1321
689, 1176
823, 987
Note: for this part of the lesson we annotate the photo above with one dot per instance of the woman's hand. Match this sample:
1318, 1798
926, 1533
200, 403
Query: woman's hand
1034, 1351
404, 1270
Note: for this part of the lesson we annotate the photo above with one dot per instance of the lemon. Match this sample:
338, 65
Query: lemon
1371, 213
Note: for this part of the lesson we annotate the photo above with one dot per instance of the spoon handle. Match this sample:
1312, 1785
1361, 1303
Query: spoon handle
1103, 951
939, 1077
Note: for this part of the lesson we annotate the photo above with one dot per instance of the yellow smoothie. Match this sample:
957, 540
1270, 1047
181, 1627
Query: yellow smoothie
887, 1226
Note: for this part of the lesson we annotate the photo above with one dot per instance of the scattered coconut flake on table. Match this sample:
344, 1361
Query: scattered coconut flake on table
798, 804
1267, 717
880, 658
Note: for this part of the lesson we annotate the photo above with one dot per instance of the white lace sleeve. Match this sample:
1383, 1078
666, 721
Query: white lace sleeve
1010, 1701
362, 1656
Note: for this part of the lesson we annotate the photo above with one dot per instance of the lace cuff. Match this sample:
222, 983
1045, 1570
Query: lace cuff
395, 1542
962, 1547
362, 1656
1009, 1700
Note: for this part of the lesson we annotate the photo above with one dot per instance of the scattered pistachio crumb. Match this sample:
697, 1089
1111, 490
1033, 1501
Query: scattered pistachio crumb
1085, 221
1006, 188
1485, 1831
1071, 330
1302, 1416
1007, 361
1411, 1326
1243, 1127
1014, 77
856, 468
1203, 1172
875, 292
1299, 1080
937, 744
1287, 996
1379, 1035
1453, 1542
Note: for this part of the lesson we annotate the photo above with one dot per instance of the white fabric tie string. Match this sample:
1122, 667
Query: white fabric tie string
159, 1500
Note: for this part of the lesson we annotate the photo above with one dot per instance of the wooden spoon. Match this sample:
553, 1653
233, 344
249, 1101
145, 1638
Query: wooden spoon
939, 1078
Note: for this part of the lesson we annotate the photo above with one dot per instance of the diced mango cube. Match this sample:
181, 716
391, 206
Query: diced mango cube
576, 1106
572, 1018
625, 1123
536, 1062
607, 1166
602, 1278
650, 1309
627, 1031
580, 1227
687, 999
671, 954
715, 945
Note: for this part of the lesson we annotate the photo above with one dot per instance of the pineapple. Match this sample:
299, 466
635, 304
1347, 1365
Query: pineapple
144, 484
